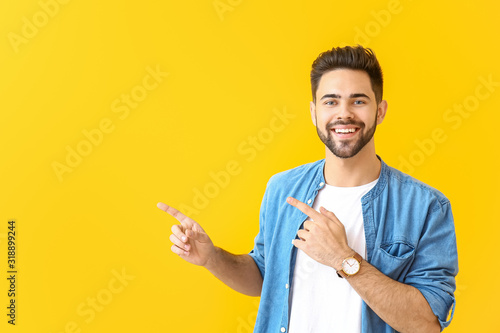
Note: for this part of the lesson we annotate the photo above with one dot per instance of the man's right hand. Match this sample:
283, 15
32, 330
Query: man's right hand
189, 239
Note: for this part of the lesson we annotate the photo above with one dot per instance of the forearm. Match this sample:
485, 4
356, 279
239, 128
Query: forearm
240, 272
401, 306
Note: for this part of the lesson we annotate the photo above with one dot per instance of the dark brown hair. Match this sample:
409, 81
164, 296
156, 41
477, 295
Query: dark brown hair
356, 58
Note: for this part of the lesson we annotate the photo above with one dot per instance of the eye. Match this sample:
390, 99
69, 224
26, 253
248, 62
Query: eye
329, 103
359, 102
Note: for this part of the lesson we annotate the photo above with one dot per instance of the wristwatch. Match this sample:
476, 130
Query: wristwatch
350, 266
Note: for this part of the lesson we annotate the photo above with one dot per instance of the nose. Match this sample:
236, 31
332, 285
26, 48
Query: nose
344, 111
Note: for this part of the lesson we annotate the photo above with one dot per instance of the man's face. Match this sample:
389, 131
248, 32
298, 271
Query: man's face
346, 113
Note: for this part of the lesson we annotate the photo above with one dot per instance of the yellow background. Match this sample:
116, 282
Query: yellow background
229, 71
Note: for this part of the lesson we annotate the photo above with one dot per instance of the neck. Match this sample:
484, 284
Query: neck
354, 171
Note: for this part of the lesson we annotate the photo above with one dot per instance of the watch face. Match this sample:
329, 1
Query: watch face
350, 266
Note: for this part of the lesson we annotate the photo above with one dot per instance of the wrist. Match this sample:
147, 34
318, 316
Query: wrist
212, 258
337, 264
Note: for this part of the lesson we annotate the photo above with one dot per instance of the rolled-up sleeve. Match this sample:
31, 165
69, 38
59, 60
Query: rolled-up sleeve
258, 251
436, 262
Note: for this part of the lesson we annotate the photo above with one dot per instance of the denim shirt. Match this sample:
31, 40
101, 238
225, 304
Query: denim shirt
409, 231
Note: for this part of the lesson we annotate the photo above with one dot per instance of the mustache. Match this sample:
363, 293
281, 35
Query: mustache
344, 123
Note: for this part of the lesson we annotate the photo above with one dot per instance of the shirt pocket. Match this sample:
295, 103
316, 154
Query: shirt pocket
396, 258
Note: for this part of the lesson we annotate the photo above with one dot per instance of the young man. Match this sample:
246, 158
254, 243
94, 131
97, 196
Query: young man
347, 243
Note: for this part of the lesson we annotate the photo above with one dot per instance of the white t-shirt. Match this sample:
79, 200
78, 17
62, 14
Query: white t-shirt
320, 301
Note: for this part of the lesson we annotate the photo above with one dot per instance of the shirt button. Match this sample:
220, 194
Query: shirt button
286, 286
321, 184
309, 201
283, 329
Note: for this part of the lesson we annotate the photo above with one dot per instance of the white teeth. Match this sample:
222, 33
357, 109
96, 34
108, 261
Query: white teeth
345, 130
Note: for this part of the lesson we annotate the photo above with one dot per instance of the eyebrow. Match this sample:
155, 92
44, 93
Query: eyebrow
350, 96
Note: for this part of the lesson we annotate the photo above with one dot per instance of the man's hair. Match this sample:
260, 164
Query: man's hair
355, 58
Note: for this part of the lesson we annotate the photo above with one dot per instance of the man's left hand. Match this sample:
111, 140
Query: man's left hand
324, 238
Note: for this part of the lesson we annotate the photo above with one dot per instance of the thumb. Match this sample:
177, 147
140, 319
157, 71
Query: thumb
197, 233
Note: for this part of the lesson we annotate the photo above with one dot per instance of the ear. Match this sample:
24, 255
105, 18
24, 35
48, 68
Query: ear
381, 111
312, 107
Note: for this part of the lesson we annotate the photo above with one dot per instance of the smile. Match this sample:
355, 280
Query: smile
345, 130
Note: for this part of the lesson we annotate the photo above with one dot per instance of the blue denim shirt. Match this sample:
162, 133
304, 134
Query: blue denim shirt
410, 237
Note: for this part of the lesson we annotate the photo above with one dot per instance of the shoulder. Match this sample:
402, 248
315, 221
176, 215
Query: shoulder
297, 174
406, 184
296, 181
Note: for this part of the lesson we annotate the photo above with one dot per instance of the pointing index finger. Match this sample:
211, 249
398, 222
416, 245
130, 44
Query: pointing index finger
309, 211
183, 219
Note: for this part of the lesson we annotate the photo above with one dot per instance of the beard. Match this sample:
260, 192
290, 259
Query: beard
347, 148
